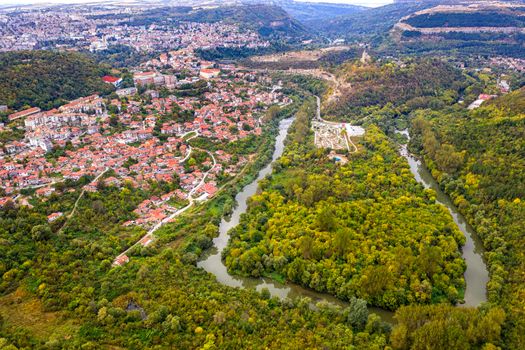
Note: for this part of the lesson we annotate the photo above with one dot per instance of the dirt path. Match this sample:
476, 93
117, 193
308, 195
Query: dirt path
337, 85
79, 198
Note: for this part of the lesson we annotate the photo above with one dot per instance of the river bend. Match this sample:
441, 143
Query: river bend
476, 274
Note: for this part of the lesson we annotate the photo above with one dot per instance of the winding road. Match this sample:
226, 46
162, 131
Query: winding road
149, 235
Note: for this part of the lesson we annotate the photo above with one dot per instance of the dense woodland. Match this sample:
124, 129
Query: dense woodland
120, 56
476, 19
61, 77
350, 230
58, 277
413, 84
477, 157
365, 232
271, 240
67, 296
459, 45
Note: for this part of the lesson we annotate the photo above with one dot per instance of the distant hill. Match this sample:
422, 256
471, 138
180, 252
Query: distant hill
434, 26
486, 16
368, 22
466, 19
311, 11
483, 28
267, 20
46, 79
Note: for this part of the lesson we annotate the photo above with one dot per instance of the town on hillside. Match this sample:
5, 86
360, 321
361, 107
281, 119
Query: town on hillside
98, 29
140, 134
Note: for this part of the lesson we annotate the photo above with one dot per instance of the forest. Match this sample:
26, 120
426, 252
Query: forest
457, 44
476, 19
119, 56
350, 230
61, 77
59, 279
414, 83
67, 295
477, 157
270, 239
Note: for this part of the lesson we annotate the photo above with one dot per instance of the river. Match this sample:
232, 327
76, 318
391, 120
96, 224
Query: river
212, 261
476, 274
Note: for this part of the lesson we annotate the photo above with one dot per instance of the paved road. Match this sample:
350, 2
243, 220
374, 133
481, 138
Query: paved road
318, 113
167, 219
189, 146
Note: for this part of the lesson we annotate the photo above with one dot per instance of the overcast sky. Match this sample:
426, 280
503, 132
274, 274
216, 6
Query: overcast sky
356, 2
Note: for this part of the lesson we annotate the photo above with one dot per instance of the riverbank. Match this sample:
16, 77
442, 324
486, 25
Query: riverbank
212, 261
476, 274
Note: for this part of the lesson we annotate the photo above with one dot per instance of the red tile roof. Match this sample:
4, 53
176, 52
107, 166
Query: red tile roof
110, 79
24, 113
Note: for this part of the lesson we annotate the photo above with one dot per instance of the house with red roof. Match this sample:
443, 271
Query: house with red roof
4, 201
121, 260
24, 113
54, 216
145, 241
115, 81
45, 191
486, 97
208, 73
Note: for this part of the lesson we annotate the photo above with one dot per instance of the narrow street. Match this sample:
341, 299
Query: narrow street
149, 235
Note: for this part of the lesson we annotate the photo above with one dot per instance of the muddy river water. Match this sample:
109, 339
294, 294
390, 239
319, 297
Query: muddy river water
476, 275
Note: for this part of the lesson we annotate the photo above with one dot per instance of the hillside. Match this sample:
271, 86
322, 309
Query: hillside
478, 28
366, 23
304, 11
45, 79
268, 20
420, 83
488, 185
513, 103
